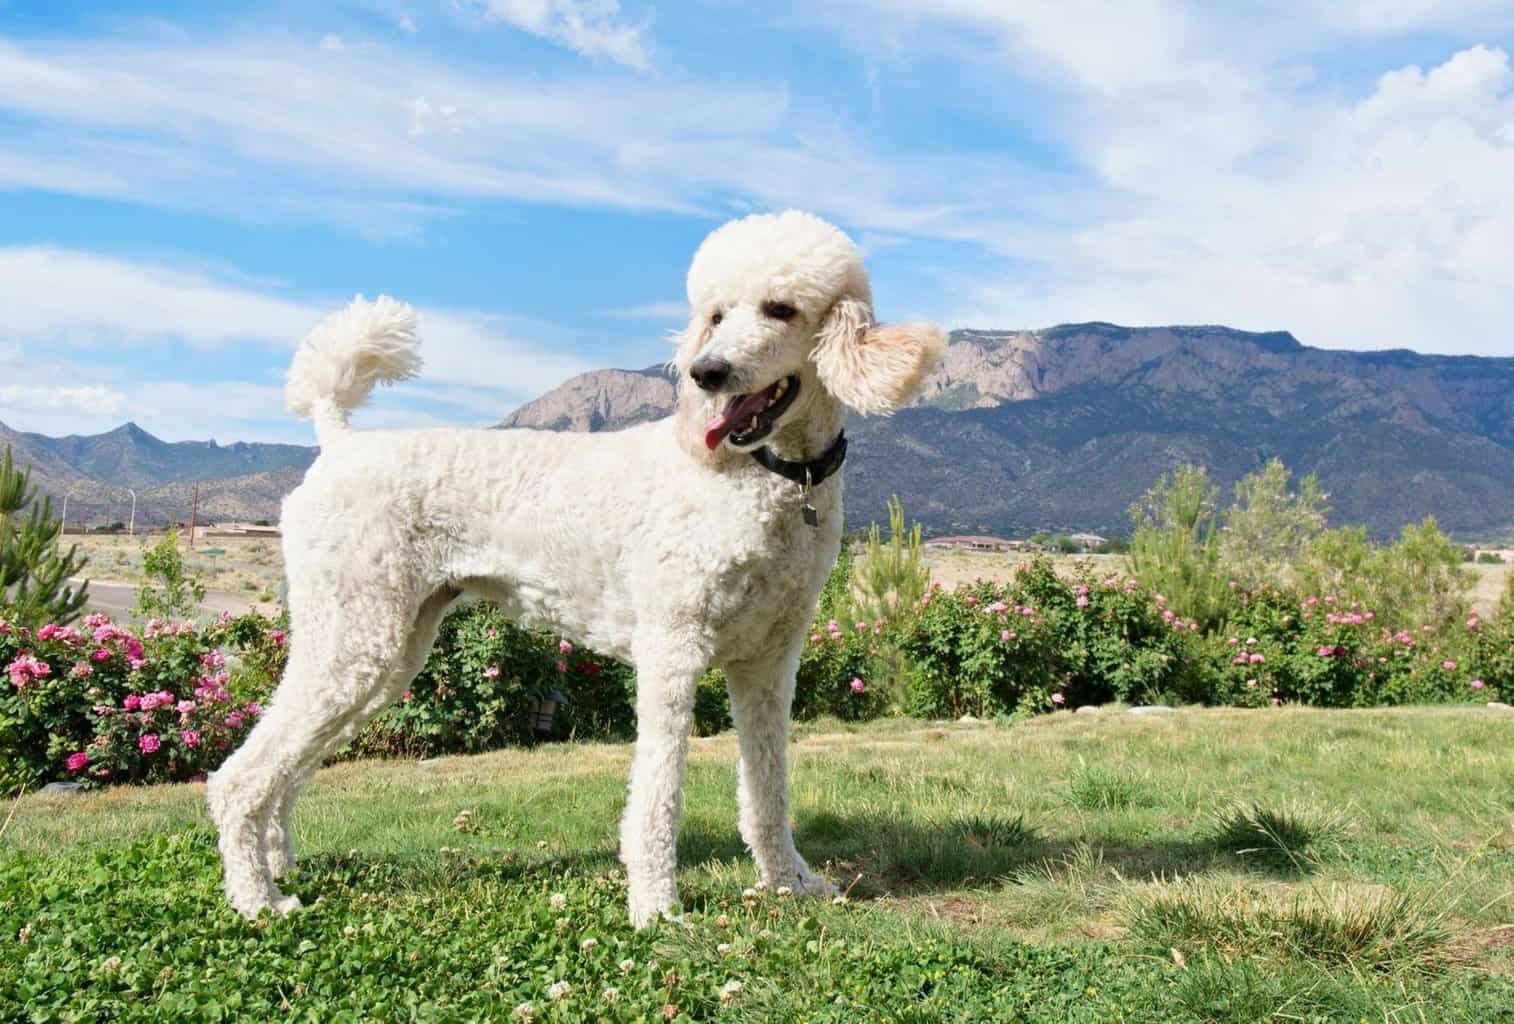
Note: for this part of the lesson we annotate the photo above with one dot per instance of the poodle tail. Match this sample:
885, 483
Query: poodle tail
346, 354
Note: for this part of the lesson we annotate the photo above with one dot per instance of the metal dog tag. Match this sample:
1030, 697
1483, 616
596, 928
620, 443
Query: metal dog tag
811, 517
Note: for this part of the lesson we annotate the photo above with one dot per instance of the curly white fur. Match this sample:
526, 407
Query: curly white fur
348, 353
642, 544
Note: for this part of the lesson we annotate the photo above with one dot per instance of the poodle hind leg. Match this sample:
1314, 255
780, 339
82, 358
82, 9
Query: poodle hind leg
339, 671
278, 838
762, 696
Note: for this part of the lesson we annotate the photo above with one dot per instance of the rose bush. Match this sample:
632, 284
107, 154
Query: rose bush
100, 703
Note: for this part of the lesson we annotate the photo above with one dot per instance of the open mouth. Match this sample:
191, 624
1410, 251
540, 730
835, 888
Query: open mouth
749, 418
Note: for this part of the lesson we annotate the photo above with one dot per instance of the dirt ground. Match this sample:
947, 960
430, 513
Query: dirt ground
249, 567
952, 567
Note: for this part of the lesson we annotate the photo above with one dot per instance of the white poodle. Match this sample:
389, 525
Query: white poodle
672, 545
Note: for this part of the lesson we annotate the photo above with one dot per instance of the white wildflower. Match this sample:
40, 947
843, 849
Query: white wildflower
558, 989
557, 901
729, 991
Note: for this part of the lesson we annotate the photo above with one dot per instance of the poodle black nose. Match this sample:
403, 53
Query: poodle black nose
710, 372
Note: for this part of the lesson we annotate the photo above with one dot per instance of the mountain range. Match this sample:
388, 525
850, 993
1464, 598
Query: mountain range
1063, 428
241, 481
1015, 432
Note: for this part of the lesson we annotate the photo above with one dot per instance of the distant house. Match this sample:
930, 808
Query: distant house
1087, 541
974, 543
237, 530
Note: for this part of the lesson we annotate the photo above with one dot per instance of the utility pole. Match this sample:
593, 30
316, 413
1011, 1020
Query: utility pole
131, 528
66, 495
194, 514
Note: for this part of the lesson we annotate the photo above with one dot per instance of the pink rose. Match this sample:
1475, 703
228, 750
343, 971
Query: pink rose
149, 743
564, 647
190, 737
1477, 684
77, 761
1256, 658
1082, 601
101, 654
132, 702
1448, 665
492, 672
1058, 699
277, 636
858, 685
186, 707
234, 720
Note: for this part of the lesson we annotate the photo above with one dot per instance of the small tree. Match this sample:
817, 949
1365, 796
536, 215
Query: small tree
891, 577
888, 582
1175, 548
34, 569
1270, 527
168, 591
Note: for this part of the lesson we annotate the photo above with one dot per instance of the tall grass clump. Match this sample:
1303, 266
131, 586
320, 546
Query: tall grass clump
1282, 836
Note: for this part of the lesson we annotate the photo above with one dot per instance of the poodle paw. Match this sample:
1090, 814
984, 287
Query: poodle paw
647, 908
286, 905
799, 880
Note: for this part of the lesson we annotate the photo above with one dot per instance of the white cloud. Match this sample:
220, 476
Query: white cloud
355, 136
65, 296
181, 124
407, 24
1380, 223
89, 400
10, 353
592, 28
675, 309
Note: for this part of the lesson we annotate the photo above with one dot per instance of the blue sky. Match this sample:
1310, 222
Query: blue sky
185, 188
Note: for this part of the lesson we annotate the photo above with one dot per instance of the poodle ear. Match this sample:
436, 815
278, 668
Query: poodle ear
873, 369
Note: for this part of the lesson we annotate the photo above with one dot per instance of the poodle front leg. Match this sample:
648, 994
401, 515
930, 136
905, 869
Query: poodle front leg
762, 696
666, 676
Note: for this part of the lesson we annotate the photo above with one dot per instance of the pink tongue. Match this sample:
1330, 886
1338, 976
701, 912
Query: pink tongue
740, 410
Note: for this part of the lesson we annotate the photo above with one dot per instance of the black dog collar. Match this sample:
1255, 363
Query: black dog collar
805, 474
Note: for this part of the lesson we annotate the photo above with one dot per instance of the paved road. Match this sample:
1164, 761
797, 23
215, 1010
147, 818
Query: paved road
118, 599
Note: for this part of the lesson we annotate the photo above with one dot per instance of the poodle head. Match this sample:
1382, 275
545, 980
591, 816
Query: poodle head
781, 317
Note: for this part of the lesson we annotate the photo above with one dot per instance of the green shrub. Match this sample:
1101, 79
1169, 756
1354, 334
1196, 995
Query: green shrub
1418, 580
484, 676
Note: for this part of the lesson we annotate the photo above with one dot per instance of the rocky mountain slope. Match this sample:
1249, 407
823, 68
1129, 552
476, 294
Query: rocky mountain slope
239, 481
1016, 431
1063, 428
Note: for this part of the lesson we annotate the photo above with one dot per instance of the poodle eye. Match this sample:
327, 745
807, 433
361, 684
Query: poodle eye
778, 310
715, 318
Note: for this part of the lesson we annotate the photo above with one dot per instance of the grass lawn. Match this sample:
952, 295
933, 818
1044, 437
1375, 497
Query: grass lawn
1290, 865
